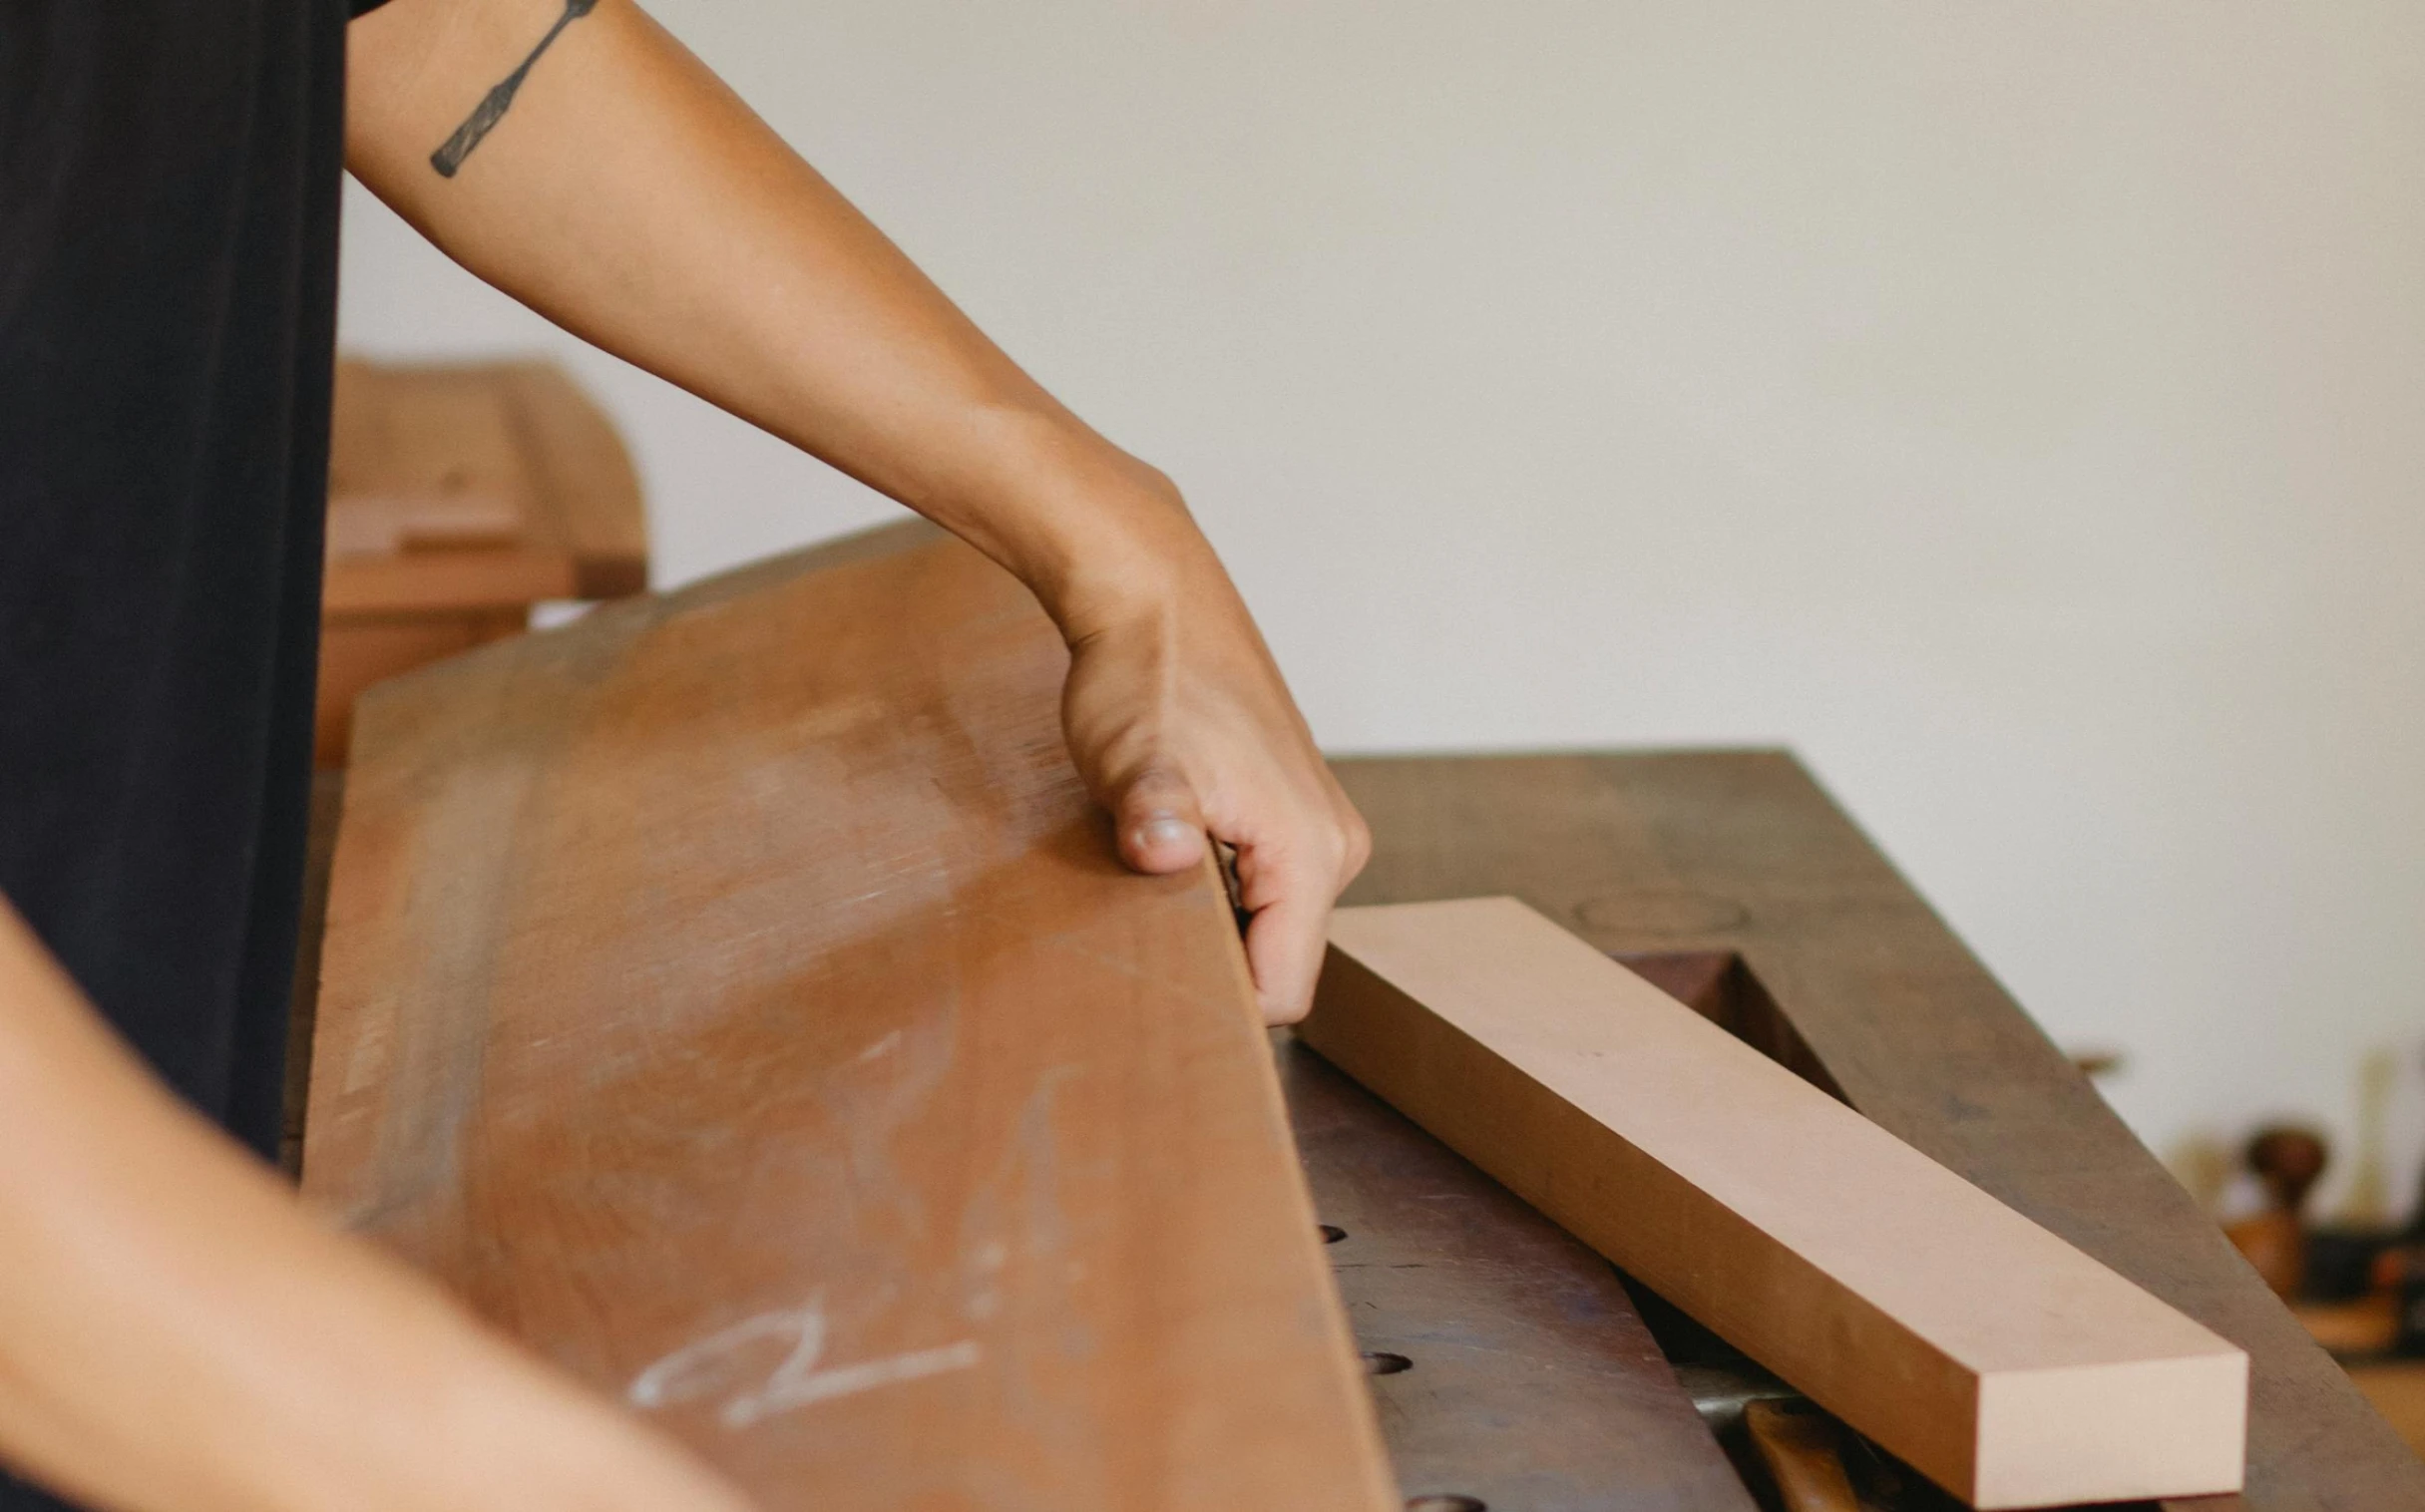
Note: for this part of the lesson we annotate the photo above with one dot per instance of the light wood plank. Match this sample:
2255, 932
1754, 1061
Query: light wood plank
734, 998
2002, 1362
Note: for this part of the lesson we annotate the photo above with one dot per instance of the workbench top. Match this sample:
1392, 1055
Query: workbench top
1730, 876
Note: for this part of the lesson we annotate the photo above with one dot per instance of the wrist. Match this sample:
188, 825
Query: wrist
1099, 537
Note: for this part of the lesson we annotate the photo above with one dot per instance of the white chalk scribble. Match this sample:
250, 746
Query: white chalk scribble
709, 1367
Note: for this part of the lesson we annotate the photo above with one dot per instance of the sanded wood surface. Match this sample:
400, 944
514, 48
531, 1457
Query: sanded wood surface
734, 998
1741, 854
1999, 1360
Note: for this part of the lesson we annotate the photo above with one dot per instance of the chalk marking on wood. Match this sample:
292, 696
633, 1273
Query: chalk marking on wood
703, 1368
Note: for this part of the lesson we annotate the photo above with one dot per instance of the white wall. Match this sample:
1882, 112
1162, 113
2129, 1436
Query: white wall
2018, 408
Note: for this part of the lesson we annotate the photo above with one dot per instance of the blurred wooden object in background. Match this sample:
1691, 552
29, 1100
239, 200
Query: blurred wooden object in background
2286, 1159
458, 498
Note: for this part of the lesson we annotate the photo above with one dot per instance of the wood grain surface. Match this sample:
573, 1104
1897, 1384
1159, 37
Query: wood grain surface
734, 998
1984, 1350
1740, 852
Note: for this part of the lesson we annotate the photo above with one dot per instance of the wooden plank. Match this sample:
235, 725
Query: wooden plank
1531, 1383
1989, 1355
734, 998
1740, 852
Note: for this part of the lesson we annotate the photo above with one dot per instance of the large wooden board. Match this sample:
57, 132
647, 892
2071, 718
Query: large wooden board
1985, 1351
1739, 854
734, 998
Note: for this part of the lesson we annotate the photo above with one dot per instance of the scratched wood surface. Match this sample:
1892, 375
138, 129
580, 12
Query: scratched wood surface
734, 998
1742, 854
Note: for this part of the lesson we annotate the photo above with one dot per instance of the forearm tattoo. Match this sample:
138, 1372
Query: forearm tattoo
492, 109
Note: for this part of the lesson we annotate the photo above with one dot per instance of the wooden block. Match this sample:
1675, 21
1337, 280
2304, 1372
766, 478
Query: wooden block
1997, 1359
735, 997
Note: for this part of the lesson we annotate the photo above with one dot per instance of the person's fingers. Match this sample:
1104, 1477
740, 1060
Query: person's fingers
1288, 935
1162, 826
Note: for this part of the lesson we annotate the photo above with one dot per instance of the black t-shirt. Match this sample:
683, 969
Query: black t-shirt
169, 191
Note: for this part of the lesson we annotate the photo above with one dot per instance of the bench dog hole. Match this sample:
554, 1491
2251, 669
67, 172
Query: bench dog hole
1383, 1362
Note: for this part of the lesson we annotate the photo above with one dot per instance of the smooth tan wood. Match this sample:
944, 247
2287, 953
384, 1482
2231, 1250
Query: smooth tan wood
1996, 1358
734, 997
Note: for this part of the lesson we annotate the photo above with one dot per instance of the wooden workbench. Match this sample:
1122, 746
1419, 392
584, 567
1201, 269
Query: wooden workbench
1735, 881
1531, 1383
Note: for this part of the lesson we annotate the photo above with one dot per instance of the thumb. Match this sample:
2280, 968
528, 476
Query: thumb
1161, 827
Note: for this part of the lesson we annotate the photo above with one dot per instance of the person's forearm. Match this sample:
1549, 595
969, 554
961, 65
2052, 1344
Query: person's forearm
624, 191
627, 194
178, 1335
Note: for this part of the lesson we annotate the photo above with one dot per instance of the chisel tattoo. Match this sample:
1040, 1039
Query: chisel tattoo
492, 109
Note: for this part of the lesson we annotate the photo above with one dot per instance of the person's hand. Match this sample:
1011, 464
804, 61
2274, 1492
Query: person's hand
1181, 725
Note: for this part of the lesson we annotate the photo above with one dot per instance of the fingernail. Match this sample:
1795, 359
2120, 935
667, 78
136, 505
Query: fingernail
1165, 831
